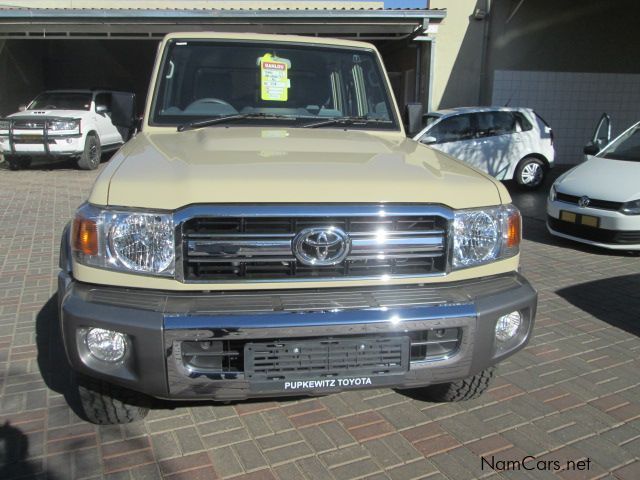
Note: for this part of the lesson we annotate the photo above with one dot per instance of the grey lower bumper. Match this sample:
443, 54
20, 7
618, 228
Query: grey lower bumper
158, 324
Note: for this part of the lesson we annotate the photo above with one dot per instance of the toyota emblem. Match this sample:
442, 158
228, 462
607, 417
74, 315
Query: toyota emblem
584, 201
321, 246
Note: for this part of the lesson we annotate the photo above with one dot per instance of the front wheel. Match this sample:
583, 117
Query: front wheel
90, 158
461, 390
530, 172
105, 404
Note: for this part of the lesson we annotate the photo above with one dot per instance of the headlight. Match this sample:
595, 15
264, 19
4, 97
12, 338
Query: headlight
139, 242
65, 126
484, 235
553, 193
4, 124
631, 208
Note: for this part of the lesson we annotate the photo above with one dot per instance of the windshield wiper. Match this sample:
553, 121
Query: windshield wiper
346, 121
227, 118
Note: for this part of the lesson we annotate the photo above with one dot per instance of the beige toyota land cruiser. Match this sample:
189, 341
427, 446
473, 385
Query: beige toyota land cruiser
271, 231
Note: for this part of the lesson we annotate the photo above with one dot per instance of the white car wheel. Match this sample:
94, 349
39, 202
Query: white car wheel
530, 172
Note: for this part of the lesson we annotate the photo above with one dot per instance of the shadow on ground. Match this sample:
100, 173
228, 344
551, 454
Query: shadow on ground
613, 300
14, 450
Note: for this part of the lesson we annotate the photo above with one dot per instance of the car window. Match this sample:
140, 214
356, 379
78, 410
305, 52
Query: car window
205, 79
452, 129
104, 100
626, 147
523, 122
61, 101
495, 123
429, 120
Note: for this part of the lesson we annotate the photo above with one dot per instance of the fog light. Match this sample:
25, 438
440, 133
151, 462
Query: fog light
106, 345
507, 326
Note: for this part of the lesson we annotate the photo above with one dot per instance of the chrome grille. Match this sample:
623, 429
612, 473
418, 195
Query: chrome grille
260, 247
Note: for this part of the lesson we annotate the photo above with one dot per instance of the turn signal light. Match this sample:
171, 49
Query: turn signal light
514, 229
85, 236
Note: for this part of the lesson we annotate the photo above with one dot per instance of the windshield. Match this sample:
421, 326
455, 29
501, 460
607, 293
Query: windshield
429, 119
625, 147
280, 84
62, 101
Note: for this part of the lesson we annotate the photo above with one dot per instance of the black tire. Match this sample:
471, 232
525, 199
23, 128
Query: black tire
16, 163
90, 158
105, 404
530, 172
465, 389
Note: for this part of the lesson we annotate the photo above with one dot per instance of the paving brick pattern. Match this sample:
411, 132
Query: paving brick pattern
572, 395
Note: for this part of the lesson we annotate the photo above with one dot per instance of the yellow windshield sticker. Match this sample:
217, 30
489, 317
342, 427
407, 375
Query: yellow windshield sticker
274, 80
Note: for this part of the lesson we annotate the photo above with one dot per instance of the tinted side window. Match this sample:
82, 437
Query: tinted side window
104, 100
453, 129
525, 124
495, 123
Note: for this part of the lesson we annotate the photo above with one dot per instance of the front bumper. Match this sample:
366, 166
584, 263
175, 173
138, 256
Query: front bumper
615, 231
160, 326
52, 146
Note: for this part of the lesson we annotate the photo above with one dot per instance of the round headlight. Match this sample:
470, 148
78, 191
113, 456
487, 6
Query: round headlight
143, 242
106, 345
507, 326
476, 238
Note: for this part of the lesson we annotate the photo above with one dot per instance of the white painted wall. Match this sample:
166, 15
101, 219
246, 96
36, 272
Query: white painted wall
571, 103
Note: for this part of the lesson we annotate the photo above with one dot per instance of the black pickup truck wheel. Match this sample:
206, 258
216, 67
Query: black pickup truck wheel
465, 389
106, 404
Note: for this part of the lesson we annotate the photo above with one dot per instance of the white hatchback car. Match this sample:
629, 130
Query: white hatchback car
598, 201
506, 143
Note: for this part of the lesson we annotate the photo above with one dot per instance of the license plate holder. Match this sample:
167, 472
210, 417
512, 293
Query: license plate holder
326, 364
580, 219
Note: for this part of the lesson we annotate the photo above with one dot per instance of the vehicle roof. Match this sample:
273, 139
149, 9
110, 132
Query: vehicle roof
261, 37
456, 110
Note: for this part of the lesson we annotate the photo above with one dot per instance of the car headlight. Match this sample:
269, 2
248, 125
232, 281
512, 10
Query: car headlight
553, 193
4, 125
65, 126
484, 235
137, 242
631, 208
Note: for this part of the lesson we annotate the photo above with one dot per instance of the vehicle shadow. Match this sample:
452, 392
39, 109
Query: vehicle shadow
14, 450
49, 165
613, 300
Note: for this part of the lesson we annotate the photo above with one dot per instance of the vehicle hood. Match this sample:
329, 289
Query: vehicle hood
48, 113
271, 165
603, 179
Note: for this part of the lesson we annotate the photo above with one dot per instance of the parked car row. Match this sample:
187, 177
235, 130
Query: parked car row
597, 202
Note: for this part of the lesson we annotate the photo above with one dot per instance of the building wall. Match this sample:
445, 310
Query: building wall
570, 61
458, 54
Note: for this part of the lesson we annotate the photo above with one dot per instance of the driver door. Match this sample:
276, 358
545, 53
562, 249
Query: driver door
601, 136
107, 131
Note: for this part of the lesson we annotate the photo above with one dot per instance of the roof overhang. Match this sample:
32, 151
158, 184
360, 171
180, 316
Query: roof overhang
152, 24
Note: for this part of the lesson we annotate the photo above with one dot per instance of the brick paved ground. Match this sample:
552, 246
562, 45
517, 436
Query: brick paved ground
573, 394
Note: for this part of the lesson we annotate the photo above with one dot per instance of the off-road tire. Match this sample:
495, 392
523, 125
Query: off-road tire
530, 173
16, 163
105, 404
461, 390
90, 158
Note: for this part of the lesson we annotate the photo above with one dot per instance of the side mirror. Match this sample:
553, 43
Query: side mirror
101, 109
591, 148
414, 118
428, 140
123, 109
22, 108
